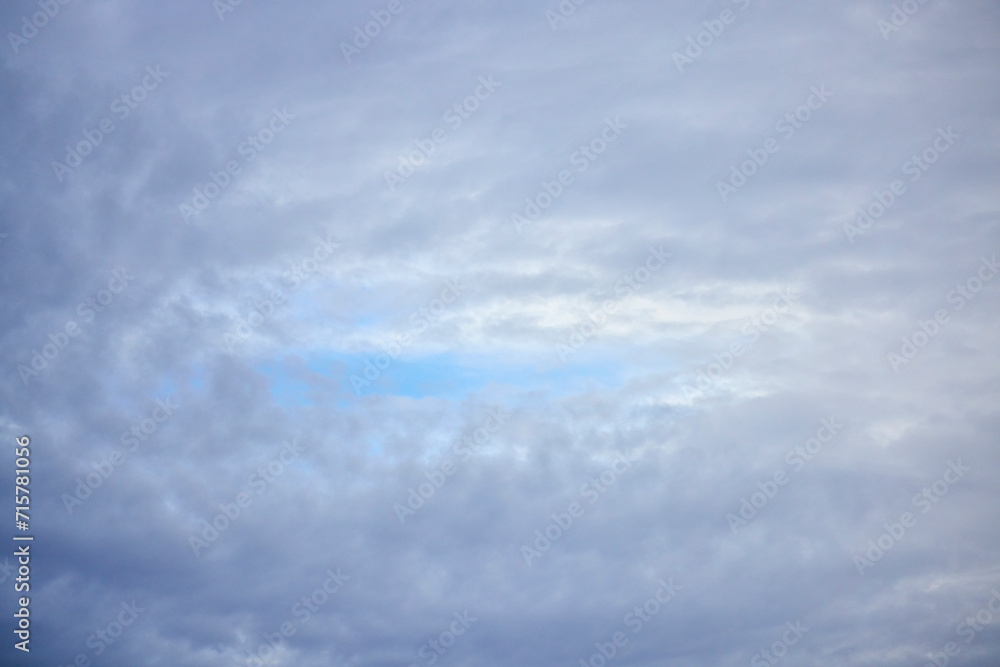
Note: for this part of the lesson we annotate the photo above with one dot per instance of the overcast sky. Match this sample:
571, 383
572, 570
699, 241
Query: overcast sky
465, 333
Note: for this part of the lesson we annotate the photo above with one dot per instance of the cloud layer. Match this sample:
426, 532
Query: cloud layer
466, 333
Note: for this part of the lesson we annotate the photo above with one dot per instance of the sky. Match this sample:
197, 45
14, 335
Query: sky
426, 332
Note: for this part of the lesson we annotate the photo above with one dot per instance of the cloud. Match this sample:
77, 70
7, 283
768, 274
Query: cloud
303, 268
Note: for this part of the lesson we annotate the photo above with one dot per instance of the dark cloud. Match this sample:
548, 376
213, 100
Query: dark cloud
271, 437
